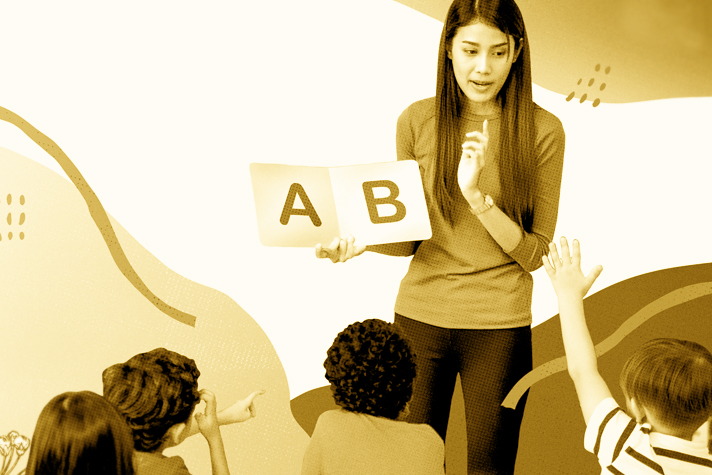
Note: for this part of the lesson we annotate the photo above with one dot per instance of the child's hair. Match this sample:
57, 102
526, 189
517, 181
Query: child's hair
371, 368
153, 391
516, 145
80, 433
672, 379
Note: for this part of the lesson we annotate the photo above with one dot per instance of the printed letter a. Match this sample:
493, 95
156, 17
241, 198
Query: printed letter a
289, 210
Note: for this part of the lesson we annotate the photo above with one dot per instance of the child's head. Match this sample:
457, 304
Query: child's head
80, 433
371, 368
156, 392
670, 382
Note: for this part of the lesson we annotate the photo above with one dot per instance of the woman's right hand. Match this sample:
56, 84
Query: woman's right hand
340, 250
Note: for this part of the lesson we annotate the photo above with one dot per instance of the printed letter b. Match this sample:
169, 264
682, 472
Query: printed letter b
372, 202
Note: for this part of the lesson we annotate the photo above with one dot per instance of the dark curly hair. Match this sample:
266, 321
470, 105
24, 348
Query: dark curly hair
371, 368
153, 391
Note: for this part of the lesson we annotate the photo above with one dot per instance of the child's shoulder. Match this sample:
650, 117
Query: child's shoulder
146, 463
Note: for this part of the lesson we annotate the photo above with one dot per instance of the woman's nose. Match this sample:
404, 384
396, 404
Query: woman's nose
482, 64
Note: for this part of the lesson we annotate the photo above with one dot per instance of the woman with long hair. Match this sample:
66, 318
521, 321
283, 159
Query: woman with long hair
80, 433
491, 162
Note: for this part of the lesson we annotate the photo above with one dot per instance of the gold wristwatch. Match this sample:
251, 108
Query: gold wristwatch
484, 206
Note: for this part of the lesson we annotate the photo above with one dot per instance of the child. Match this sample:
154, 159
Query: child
667, 384
371, 369
80, 433
157, 392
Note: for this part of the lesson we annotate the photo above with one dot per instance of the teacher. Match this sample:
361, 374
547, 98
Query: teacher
491, 162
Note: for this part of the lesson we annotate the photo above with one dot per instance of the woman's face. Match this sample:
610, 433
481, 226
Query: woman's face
481, 59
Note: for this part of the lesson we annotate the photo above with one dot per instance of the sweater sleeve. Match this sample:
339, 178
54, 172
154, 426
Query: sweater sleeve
404, 151
545, 193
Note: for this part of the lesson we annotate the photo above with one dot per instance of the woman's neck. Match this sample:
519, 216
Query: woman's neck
489, 108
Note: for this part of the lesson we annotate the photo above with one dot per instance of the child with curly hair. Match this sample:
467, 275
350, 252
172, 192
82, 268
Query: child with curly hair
157, 393
667, 384
371, 368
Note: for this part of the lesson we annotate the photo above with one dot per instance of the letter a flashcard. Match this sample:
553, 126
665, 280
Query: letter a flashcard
301, 206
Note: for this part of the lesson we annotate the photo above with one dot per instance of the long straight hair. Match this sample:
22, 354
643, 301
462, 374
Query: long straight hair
517, 121
80, 433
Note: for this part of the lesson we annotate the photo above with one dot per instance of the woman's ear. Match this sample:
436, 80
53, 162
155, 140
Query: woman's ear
449, 54
518, 46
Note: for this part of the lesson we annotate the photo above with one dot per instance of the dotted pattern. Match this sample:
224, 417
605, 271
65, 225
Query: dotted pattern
16, 214
591, 82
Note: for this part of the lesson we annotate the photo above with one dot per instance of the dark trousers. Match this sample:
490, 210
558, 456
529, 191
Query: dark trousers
490, 362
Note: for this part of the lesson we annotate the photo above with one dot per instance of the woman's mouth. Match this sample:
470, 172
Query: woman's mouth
481, 85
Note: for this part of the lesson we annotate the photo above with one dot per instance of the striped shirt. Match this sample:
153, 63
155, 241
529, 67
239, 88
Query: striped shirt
626, 447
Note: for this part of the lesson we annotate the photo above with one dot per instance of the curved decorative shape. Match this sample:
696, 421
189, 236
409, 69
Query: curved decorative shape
97, 212
631, 37
671, 299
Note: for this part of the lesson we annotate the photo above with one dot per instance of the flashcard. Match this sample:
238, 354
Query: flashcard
299, 206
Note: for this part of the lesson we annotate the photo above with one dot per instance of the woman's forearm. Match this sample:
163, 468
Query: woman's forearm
506, 232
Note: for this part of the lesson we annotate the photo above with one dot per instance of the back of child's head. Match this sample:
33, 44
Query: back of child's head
80, 433
153, 391
672, 380
371, 368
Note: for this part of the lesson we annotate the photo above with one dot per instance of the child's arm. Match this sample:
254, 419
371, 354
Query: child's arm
571, 286
208, 425
241, 411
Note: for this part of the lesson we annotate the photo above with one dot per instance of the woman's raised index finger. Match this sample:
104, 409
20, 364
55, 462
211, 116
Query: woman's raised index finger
484, 129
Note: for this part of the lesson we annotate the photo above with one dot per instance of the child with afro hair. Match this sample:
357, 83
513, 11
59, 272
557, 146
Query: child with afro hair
371, 368
157, 393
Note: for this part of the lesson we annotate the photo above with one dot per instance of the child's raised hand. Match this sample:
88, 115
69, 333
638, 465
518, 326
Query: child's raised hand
241, 410
565, 271
208, 421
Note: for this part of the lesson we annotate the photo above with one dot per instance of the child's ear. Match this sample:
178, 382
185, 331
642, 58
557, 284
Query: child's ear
176, 434
638, 411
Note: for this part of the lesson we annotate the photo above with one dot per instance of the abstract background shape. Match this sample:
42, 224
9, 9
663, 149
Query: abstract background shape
163, 106
658, 49
68, 313
97, 212
164, 121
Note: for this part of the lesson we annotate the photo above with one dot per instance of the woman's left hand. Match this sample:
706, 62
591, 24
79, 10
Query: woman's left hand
472, 162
